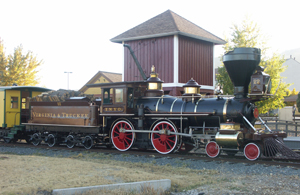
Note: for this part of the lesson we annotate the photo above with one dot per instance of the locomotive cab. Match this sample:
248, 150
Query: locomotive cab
119, 98
114, 100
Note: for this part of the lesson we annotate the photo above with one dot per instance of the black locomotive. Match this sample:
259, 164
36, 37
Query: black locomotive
139, 115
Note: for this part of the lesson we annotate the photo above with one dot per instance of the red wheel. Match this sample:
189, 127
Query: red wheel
163, 143
251, 151
122, 140
212, 149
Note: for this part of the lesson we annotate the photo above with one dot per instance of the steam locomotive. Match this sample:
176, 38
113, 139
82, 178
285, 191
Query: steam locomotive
138, 115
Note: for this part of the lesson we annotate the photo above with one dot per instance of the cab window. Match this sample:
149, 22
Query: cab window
119, 95
106, 96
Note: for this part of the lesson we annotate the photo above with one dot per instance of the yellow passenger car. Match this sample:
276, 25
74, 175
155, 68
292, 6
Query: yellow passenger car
14, 109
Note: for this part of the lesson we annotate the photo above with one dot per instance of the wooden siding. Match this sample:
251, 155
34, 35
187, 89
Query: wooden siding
157, 52
195, 61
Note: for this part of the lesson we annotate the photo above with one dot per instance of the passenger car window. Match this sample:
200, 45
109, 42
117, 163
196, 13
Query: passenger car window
14, 102
24, 105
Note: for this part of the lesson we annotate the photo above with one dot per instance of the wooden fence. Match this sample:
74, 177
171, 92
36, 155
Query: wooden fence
291, 128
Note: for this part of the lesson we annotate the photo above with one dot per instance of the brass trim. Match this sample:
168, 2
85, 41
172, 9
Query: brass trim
230, 126
195, 110
157, 104
171, 109
225, 110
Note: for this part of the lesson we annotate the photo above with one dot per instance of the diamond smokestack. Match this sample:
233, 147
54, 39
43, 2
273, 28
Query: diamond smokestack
240, 64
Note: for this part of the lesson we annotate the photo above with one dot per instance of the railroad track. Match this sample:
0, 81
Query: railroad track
223, 158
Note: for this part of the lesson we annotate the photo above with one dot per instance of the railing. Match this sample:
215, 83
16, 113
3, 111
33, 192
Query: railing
291, 128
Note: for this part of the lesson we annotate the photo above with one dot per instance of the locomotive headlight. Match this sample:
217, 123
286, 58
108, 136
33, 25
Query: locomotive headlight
154, 86
154, 83
191, 90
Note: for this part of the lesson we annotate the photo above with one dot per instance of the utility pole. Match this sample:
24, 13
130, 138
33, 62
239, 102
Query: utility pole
68, 78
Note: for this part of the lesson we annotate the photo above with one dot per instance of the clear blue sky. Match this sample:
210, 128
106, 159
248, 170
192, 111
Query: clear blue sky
71, 35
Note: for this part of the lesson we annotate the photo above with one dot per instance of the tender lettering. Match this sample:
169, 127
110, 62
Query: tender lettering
59, 115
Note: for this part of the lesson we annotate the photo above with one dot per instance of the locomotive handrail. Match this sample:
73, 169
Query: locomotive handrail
116, 114
13, 112
191, 114
264, 124
248, 122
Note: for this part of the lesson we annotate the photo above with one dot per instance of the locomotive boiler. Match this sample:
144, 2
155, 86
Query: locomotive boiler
138, 115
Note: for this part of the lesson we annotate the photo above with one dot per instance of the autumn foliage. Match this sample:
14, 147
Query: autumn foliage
19, 68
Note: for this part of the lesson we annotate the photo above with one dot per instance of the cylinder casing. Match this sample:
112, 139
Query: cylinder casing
229, 140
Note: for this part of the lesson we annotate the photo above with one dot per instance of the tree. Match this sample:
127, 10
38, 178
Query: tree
2, 62
273, 67
293, 92
18, 68
298, 102
248, 35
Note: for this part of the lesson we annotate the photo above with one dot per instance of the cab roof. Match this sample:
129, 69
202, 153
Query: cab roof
24, 88
116, 84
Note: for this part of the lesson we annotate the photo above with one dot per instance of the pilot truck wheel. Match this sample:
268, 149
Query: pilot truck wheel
252, 151
212, 149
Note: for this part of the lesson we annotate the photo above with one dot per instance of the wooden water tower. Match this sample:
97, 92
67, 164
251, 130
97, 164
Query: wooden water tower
179, 50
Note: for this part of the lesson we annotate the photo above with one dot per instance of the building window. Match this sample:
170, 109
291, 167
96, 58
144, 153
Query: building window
14, 102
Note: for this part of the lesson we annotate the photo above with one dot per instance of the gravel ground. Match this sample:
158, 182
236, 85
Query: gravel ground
276, 178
